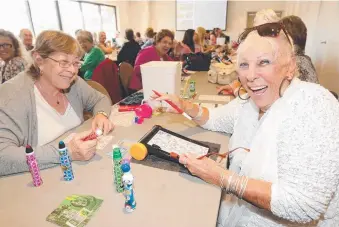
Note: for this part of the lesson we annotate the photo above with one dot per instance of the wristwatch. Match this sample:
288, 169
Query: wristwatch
103, 113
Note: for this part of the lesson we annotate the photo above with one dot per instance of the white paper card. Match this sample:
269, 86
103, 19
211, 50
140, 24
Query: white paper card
215, 98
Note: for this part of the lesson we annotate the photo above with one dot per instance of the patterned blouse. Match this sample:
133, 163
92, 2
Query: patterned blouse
306, 69
11, 69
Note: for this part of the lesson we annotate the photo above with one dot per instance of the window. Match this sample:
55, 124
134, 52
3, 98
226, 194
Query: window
14, 17
44, 15
108, 21
92, 17
71, 16
68, 15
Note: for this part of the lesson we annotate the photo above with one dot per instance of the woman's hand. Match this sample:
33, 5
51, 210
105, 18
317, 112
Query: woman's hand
206, 168
177, 47
173, 98
82, 150
101, 122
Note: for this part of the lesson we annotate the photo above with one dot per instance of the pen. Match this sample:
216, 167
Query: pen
180, 111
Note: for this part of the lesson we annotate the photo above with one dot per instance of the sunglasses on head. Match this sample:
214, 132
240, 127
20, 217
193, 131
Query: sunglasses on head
265, 30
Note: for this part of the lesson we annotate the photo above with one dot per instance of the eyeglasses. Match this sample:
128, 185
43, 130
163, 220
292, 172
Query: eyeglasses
6, 45
265, 30
66, 64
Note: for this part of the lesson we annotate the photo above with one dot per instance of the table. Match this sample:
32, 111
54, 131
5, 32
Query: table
163, 198
113, 56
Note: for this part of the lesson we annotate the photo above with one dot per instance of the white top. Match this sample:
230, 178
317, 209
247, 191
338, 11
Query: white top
52, 124
300, 140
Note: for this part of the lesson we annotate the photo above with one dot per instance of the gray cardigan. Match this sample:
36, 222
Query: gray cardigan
18, 121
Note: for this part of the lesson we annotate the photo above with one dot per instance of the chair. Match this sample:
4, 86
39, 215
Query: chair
334, 94
125, 73
106, 74
101, 89
98, 87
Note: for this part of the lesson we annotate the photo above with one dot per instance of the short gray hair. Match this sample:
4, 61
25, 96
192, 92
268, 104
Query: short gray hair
265, 16
85, 35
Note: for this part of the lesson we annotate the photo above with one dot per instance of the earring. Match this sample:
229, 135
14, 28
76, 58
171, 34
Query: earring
240, 96
282, 82
40, 72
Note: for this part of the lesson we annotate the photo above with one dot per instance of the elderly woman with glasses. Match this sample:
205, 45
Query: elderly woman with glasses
40, 105
93, 57
11, 61
285, 133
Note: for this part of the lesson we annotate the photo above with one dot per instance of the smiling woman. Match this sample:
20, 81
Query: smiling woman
157, 52
51, 90
93, 55
285, 133
11, 62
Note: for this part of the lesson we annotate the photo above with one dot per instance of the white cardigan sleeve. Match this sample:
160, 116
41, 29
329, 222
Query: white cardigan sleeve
222, 119
308, 159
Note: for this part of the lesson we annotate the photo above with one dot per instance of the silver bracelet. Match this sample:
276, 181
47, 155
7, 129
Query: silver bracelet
244, 185
222, 176
229, 183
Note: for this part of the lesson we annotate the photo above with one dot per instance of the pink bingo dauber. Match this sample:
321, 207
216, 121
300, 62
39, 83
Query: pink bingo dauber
33, 166
93, 135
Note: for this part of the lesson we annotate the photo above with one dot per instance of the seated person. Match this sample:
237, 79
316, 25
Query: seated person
11, 61
221, 55
106, 47
150, 34
138, 39
157, 52
213, 38
27, 39
284, 168
129, 50
297, 29
189, 44
93, 57
51, 90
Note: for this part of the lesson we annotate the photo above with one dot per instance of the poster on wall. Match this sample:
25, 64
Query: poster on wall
208, 14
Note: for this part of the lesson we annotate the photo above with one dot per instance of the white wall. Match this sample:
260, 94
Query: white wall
139, 15
237, 14
163, 14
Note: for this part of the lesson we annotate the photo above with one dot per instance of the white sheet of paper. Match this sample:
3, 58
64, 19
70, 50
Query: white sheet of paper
124, 119
215, 98
208, 105
103, 141
170, 143
190, 72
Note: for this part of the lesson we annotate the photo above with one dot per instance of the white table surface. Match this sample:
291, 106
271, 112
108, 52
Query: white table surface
164, 198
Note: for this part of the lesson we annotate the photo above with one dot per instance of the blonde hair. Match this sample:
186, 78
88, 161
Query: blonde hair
49, 42
265, 16
201, 34
149, 33
278, 49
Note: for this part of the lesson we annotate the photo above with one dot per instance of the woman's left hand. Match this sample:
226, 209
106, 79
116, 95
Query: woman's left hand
206, 168
100, 121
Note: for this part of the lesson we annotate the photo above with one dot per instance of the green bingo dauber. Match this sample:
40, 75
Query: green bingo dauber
117, 158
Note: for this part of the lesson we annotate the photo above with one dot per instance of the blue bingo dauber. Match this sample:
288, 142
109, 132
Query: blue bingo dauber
65, 162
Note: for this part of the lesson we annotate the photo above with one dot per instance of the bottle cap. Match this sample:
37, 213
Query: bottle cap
29, 149
61, 145
125, 167
98, 132
116, 153
138, 151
